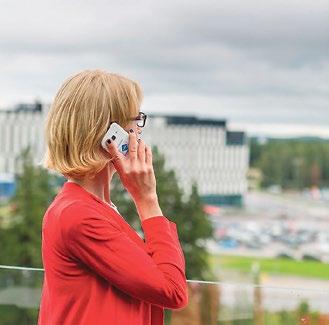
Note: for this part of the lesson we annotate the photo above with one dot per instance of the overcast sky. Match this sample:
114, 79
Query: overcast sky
263, 65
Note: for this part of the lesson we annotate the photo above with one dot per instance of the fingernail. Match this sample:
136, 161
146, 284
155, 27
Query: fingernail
108, 141
131, 130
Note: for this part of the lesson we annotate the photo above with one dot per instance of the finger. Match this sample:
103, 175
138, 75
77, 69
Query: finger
141, 151
148, 155
116, 157
133, 145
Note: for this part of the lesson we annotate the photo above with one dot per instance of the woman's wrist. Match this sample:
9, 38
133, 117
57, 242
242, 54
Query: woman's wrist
148, 207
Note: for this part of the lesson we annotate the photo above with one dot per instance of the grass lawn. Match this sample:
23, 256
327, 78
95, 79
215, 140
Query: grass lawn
278, 266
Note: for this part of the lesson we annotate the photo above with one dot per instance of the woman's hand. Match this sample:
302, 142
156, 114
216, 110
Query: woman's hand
137, 175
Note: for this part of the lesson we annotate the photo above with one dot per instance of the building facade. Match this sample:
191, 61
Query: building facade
20, 128
199, 150
205, 152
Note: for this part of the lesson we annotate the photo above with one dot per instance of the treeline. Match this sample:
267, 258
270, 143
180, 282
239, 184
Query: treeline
291, 163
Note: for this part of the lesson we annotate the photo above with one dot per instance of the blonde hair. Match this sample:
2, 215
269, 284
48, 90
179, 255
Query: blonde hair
79, 117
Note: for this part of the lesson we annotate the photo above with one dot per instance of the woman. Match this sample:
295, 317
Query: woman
97, 268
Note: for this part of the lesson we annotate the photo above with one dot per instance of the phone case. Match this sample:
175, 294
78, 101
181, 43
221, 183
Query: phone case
120, 137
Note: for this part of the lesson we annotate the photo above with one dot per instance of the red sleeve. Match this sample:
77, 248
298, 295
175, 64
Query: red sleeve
175, 234
157, 277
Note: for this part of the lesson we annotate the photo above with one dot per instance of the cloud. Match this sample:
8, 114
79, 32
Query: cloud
244, 59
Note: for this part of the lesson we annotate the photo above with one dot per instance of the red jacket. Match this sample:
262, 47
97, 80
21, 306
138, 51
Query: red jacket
98, 270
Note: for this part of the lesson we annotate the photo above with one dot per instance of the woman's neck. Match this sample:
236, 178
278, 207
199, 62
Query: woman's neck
99, 185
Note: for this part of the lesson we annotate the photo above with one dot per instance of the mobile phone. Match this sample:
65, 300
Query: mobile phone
117, 135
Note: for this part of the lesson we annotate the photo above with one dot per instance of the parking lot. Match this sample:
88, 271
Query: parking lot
274, 225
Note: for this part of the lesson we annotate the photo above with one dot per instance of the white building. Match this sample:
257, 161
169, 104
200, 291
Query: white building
200, 150
20, 128
204, 151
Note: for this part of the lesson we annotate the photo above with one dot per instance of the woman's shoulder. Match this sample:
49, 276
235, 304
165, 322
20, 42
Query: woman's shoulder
80, 213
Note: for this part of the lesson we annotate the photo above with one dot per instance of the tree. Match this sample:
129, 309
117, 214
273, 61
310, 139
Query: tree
21, 243
194, 230
292, 163
315, 174
193, 225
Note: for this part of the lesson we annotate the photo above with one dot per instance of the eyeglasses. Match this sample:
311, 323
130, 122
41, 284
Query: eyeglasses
141, 119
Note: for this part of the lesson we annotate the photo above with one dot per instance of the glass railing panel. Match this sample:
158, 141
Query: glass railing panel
241, 303
20, 291
209, 302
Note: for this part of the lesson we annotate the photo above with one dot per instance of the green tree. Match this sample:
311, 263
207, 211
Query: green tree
193, 225
292, 163
21, 243
194, 229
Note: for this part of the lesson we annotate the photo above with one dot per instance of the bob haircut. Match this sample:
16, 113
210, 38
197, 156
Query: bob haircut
79, 117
